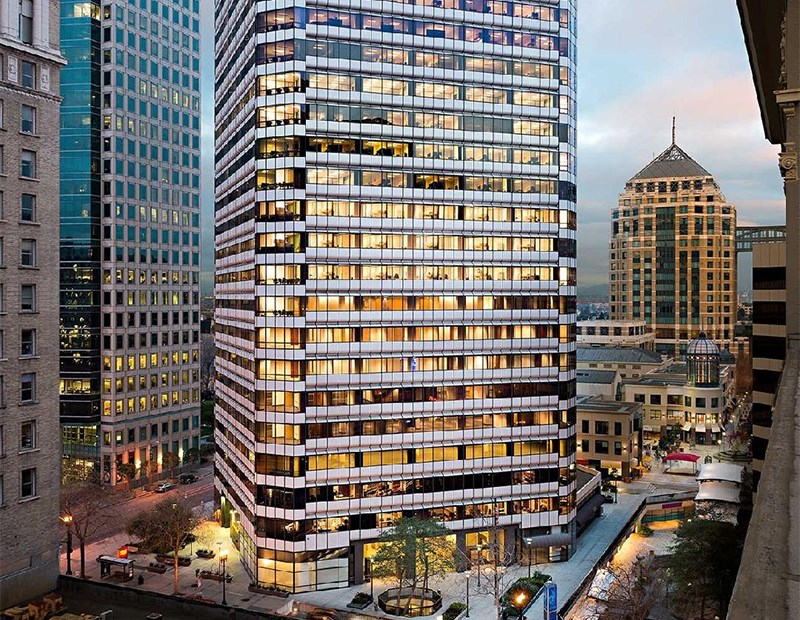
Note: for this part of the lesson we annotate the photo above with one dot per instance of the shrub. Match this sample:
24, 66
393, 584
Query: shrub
532, 584
451, 613
361, 598
644, 530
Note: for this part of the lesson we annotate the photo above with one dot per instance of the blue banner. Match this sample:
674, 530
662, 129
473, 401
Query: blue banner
550, 601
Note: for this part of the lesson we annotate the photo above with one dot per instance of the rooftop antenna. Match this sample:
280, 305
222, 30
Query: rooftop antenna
673, 131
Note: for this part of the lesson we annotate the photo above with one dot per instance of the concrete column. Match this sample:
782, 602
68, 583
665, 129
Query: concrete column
789, 100
461, 558
4, 26
510, 542
12, 14
358, 562
38, 23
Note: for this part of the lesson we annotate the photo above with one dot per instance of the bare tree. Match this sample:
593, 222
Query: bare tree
165, 526
85, 509
491, 566
635, 590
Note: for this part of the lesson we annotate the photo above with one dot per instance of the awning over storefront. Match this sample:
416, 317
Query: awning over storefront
687, 426
700, 428
718, 492
559, 539
682, 456
586, 512
647, 428
720, 471
715, 428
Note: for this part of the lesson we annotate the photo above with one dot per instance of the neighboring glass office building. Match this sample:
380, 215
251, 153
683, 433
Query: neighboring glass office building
395, 279
130, 229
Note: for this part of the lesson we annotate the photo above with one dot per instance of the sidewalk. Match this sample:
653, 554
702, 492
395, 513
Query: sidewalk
593, 544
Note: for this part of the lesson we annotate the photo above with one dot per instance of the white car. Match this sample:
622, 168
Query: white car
163, 487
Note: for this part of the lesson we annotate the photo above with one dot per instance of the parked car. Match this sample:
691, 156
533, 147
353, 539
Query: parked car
187, 478
163, 487
322, 614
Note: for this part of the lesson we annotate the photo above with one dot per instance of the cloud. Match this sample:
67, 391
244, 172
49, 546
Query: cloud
676, 58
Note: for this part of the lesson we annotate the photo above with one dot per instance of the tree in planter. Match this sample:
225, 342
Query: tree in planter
165, 526
127, 472
670, 439
85, 509
192, 455
169, 461
412, 553
152, 467
704, 562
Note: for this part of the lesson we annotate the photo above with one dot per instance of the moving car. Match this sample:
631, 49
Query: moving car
163, 487
187, 478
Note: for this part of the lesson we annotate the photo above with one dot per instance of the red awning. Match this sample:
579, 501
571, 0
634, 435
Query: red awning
682, 456
582, 462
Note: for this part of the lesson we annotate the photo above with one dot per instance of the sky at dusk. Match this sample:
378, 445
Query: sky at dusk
639, 63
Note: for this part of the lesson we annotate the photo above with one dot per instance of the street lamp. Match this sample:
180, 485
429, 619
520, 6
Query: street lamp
67, 519
528, 543
223, 558
468, 572
519, 598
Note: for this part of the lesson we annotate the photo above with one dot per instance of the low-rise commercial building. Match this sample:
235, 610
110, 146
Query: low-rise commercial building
607, 333
609, 435
605, 384
630, 362
695, 395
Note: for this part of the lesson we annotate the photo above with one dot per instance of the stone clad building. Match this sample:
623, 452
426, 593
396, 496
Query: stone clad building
29, 168
672, 255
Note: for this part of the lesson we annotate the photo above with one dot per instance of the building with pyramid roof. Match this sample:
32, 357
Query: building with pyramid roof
673, 255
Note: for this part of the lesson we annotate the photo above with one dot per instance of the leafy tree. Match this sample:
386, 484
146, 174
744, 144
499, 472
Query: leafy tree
704, 562
412, 553
165, 526
169, 460
671, 438
192, 455
152, 467
127, 471
85, 509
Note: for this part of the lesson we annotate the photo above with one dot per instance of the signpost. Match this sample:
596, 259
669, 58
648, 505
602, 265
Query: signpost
550, 601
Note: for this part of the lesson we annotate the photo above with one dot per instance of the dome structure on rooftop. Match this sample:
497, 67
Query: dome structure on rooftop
702, 362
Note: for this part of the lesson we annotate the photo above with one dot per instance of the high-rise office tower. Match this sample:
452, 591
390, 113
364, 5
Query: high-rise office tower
673, 254
130, 223
30, 447
395, 278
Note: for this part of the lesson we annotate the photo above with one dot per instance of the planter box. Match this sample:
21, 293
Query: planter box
216, 576
359, 606
156, 567
267, 591
183, 560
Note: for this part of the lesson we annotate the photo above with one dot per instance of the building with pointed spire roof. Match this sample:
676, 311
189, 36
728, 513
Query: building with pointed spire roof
672, 253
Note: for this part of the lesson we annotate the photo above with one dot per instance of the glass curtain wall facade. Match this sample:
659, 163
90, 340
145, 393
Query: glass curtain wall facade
395, 278
80, 237
130, 251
